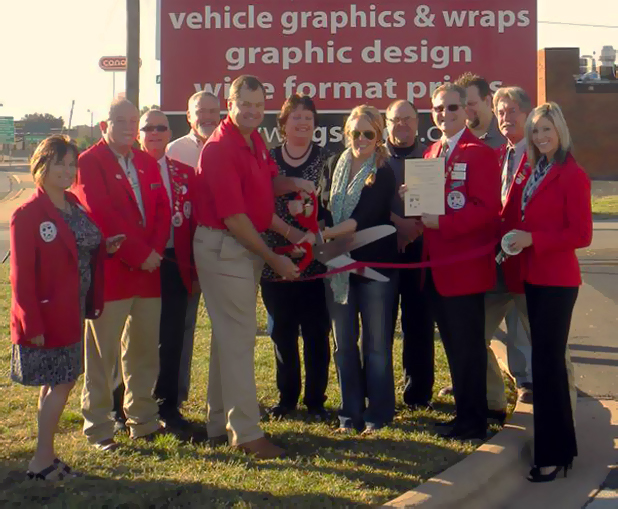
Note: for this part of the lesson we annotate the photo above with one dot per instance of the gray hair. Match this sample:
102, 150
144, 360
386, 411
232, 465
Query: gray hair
199, 95
515, 94
450, 87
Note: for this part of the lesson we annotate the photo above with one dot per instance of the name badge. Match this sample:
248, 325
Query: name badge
458, 175
460, 167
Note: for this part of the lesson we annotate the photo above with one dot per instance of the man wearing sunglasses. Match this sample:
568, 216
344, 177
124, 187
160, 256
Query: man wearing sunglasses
177, 272
472, 207
416, 319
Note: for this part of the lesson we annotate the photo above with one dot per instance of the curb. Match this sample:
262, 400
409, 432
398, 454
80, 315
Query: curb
16, 189
470, 482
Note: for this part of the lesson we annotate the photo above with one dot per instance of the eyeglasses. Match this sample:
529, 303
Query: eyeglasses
448, 107
400, 120
152, 128
368, 135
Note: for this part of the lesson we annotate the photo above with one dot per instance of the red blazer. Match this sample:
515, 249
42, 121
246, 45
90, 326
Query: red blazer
510, 216
472, 206
559, 216
45, 282
182, 180
106, 193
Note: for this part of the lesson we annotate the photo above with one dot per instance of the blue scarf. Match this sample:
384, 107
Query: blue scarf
343, 200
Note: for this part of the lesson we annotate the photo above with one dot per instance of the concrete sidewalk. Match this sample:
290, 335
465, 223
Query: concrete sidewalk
493, 477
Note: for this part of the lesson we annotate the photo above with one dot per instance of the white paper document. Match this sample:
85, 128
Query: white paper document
425, 181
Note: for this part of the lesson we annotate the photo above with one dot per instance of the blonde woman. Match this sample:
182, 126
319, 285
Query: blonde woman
552, 218
357, 191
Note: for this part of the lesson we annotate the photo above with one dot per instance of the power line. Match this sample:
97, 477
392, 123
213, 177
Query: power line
577, 24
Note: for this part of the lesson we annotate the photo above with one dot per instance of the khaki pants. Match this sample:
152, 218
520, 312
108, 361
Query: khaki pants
138, 347
229, 275
497, 306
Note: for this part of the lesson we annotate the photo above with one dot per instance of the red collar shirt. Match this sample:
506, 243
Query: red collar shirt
232, 179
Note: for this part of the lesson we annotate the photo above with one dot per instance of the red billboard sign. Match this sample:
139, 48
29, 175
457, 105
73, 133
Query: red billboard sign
344, 54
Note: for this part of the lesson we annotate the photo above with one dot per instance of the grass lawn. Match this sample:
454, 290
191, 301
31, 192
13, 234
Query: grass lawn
605, 206
322, 470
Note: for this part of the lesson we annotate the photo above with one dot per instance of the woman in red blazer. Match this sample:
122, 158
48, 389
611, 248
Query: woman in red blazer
56, 280
553, 221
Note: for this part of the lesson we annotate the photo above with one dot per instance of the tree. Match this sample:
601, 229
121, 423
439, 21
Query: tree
41, 123
148, 108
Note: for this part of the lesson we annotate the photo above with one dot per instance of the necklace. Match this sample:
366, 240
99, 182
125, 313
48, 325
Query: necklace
287, 153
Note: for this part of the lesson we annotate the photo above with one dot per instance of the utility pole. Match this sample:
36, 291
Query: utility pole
133, 22
71, 116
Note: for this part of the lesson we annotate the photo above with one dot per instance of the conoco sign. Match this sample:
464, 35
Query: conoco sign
115, 63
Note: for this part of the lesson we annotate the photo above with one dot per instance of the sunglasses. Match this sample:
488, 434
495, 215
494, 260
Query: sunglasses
448, 107
368, 135
152, 128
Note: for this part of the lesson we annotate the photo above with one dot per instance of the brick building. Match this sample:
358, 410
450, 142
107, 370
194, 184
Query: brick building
590, 109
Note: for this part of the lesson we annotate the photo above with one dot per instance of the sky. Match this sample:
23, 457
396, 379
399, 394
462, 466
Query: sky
50, 56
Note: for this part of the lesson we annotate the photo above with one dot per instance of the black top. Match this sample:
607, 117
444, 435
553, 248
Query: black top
311, 170
397, 162
373, 209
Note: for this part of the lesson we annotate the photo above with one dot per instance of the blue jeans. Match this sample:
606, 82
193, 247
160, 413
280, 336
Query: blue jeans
365, 375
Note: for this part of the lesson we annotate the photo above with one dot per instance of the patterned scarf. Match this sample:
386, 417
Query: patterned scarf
343, 200
540, 170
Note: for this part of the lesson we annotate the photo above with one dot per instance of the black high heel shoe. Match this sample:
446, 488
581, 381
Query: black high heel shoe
535, 474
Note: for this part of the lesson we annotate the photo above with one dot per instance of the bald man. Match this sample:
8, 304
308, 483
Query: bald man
416, 320
178, 277
122, 189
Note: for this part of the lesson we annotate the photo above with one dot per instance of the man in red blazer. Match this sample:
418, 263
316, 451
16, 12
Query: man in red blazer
121, 188
472, 207
178, 275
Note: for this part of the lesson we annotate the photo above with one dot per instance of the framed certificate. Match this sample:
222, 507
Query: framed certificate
425, 180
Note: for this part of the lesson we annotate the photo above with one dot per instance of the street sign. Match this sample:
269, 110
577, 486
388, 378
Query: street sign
31, 138
115, 64
7, 130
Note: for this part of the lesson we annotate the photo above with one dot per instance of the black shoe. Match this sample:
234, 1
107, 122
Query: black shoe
524, 393
447, 424
120, 422
279, 412
462, 432
175, 422
318, 414
497, 415
535, 474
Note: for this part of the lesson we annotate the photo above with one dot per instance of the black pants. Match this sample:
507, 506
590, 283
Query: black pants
461, 321
174, 298
550, 309
417, 325
293, 306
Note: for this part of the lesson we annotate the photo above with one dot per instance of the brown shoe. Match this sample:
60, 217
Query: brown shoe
262, 449
107, 445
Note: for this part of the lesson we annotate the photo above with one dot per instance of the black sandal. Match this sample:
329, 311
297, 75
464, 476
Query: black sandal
42, 475
66, 469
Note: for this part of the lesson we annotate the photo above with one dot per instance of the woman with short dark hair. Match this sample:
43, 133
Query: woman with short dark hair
298, 305
56, 280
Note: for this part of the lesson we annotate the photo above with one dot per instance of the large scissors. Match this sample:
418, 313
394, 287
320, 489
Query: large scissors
334, 254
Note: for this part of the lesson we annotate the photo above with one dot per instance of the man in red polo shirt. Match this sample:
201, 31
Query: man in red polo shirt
235, 184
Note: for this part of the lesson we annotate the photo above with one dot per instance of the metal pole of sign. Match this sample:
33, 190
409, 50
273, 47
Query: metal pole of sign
133, 31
